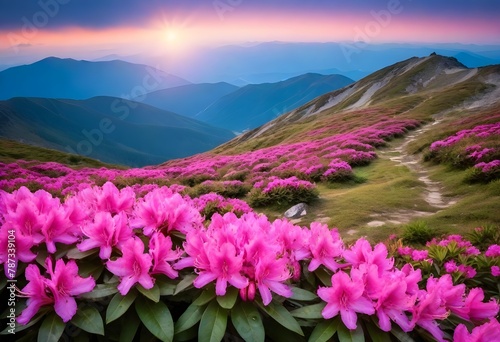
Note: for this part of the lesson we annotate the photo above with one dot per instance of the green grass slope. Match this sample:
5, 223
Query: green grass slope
426, 89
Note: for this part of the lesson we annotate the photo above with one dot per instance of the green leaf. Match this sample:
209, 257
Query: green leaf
152, 294
41, 313
281, 315
166, 288
400, 334
376, 334
88, 319
119, 305
276, 332
207, 294
213, 323
75, 253
247, 321
189, 318
130, 323
229, 299
156, 317
51, 329
88, 268
310, 311
346, 335
324, 276
190, 334
324, 330
185, 283
303, 295
100, 291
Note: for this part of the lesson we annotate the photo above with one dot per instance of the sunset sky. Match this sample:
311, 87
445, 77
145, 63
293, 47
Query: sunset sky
92, 28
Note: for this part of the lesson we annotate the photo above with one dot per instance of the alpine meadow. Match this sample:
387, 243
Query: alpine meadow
250, 171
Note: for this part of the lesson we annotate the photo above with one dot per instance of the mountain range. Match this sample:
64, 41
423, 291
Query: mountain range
68, 78
418, 87
277, 61
109, 129
255, 104
187, 100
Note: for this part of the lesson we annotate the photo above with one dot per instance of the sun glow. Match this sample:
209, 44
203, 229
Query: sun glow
172, 36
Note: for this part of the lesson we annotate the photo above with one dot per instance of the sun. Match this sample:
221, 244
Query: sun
171, 36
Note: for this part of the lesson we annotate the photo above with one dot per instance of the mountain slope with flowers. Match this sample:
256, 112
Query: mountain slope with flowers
434, 89
182, 250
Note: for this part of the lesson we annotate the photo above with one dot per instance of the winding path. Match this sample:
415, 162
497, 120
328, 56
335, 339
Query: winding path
433, 194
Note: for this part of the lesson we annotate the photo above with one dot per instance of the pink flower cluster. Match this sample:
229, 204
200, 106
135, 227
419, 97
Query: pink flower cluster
221, 204
484, 155
375, 287
481, 131
292, 183
132, 237
249, 253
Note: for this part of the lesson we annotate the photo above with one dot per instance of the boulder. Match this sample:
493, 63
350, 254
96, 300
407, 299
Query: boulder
296, 211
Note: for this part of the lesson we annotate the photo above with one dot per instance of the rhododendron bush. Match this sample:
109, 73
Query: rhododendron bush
130, 263
477, 148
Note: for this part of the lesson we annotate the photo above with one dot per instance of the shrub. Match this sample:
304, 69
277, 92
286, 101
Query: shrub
484, 236
229, 188
484, 172
418, 232
282, 192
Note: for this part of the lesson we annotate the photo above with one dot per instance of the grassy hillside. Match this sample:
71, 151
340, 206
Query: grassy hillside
10, 151
387, 195
107, 128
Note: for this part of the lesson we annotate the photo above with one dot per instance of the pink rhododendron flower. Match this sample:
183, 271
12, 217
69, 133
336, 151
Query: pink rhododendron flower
368, 275
22, 248
27, 220
162, 210
431, 307
64, 283
60, 289
468, 271
58, 228
105, 232
493, 251
160, 249
133, 267
345, 297
361, 252
325, 246
393, 302
269, 276
405, 250
419, 255
225, 267
475, 309
495, 271
452, 295
36, 291
488, 332
412, 278
450, 266
109, 198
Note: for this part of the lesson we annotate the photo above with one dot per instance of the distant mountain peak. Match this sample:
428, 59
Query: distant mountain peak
55, 77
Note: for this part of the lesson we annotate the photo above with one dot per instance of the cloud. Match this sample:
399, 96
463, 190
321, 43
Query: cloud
109, 13
23, 45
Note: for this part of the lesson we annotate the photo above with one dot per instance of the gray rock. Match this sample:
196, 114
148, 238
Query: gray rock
296, 211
